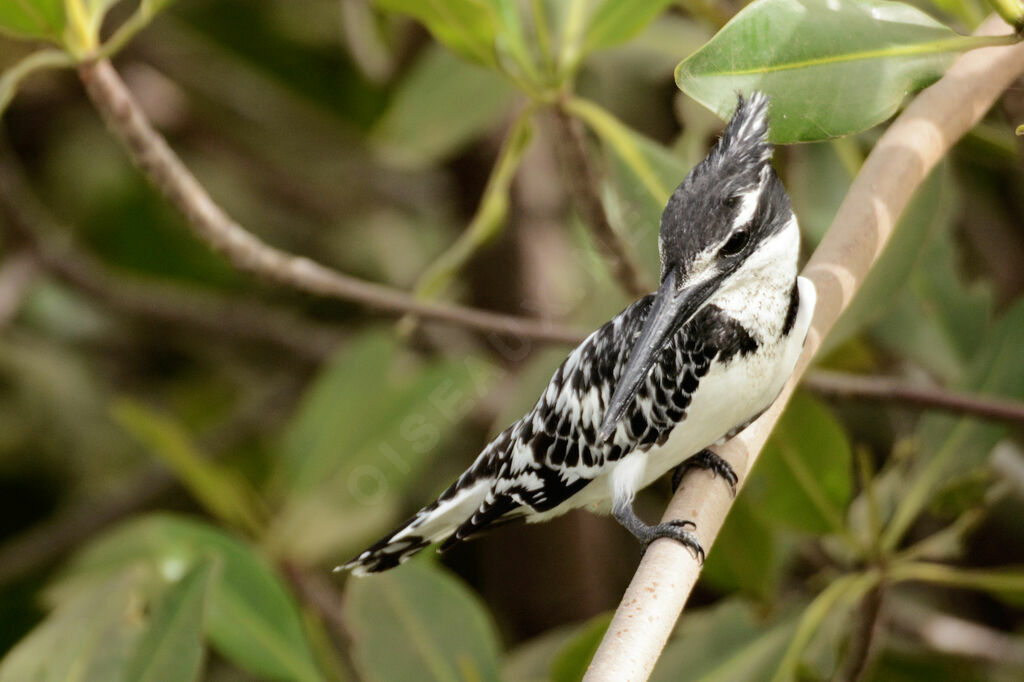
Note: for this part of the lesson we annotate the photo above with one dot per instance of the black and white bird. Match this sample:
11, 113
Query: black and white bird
675, 372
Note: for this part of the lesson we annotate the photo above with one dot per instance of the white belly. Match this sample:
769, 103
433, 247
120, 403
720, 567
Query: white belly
728, 395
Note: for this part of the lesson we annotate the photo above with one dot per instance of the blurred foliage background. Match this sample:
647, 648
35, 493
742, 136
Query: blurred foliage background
185, 451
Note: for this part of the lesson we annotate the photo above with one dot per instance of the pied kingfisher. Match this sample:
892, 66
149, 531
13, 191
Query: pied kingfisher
675, 372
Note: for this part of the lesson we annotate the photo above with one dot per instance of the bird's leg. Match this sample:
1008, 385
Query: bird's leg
705, 459
646, 534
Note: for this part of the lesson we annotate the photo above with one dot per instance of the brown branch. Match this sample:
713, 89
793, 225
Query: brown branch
954, 636
17, 272
211, 224
863, 643
583, 182
898, 164
24, 216
852, 386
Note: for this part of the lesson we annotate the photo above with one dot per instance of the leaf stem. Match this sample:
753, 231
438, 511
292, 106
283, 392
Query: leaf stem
42, 59
572, 37
852, 587
952, 576
490, 215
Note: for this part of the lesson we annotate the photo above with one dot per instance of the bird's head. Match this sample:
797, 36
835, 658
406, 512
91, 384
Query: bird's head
716, 234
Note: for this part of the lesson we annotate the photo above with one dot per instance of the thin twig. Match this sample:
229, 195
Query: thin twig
23, 215
248, 253
582, 180
320, 593
862, 646
954, 636
843, 385
17, 272
897, 165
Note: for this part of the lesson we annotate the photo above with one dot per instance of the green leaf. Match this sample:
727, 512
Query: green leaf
531, 661
817, 180
90, 635
842, 593
366, 428
831, 67
573, 660
803, 477
222, 491
954, 446
616, 21
419, 623
723, 643
940, 320
171, 648
744, 556
467, 27
889, 274
428, 121
905, 665
643, 175
33, 19
250, 618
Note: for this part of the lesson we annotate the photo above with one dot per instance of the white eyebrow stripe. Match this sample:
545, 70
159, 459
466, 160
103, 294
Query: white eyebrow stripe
748, 206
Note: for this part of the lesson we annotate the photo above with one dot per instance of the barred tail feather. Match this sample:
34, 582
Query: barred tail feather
431, 524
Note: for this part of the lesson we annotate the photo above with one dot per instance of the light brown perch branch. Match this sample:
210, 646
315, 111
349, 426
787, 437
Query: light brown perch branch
904, 155
247, 252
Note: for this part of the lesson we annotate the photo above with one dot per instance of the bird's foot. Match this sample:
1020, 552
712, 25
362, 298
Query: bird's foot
705, 459
646, 534
676, 530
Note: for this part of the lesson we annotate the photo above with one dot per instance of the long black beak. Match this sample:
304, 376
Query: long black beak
672, 308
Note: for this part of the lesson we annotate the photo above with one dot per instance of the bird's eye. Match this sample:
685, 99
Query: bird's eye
735, 244
732, 202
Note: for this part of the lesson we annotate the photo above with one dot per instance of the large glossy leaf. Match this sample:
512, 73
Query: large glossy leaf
725, 643
171, 648
615, 21
221, 490
365, 429
250, 617
90, 635
427, 119
468, 27
831, 67
419, 623
803, 477
33, 18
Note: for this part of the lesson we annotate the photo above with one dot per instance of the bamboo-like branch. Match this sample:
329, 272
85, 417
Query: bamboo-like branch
900, 161
853, 386
211, 224
583, 186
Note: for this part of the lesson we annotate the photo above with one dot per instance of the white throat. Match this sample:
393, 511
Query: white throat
757, 295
